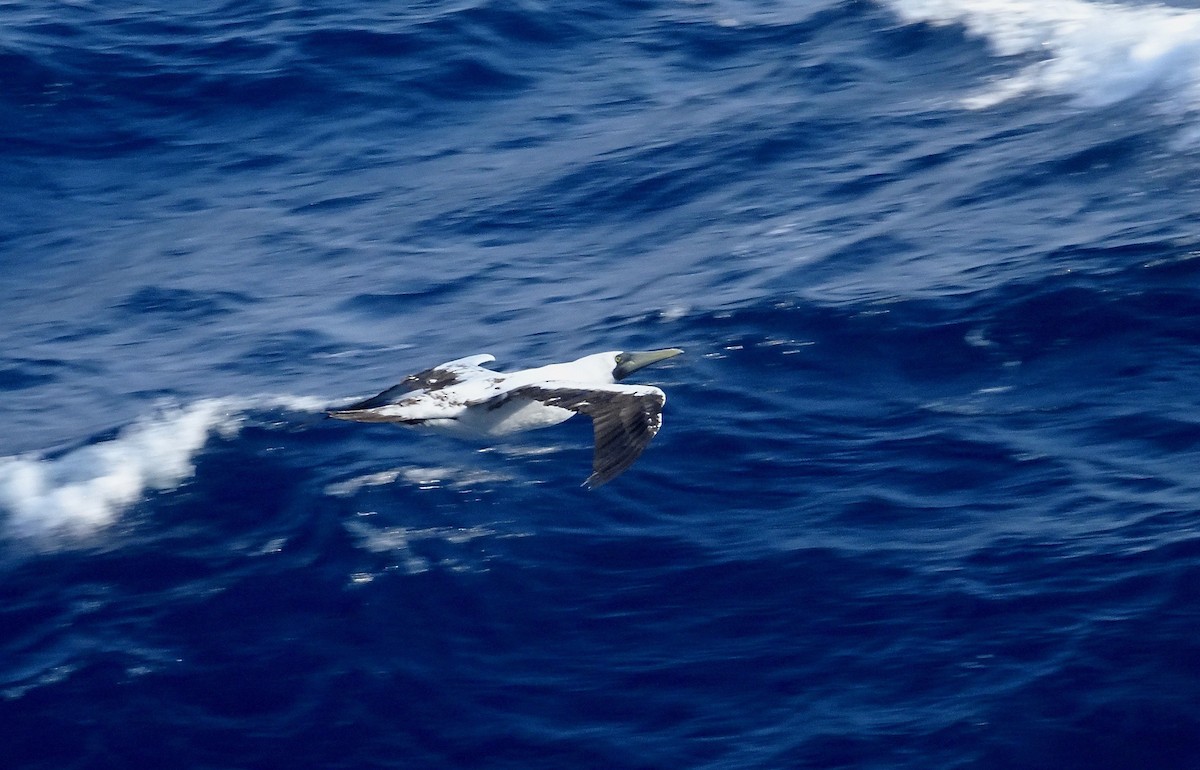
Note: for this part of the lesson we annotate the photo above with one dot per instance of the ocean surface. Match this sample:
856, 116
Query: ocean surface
927, 491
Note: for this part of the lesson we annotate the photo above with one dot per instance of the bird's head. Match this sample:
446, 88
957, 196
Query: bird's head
625, 363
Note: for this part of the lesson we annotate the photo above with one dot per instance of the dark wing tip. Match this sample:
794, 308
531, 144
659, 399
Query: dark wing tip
623, 422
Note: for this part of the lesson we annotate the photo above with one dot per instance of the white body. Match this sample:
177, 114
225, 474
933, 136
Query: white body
461, 408
464, 398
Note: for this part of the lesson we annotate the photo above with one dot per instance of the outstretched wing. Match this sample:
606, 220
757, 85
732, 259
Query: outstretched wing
624, 419
437, 378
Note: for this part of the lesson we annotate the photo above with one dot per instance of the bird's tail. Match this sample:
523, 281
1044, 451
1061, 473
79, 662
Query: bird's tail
371, 415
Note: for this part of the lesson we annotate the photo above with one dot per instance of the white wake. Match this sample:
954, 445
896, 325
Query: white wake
1095, 53
86, 489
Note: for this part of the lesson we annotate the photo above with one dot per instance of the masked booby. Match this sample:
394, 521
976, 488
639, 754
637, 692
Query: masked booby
463, 397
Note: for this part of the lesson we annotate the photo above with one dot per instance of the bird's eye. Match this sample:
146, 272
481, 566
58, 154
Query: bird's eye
620, 358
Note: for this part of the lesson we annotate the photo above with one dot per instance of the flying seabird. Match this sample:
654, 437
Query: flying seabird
464, 398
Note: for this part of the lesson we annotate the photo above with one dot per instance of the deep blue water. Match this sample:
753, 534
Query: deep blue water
927, 493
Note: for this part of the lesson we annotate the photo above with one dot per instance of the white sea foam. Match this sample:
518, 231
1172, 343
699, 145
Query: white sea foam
424, 477
402, 542
1096, 53
79, 492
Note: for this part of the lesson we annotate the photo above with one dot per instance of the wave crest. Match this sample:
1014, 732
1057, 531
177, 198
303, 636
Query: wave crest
1097, 53
86, 489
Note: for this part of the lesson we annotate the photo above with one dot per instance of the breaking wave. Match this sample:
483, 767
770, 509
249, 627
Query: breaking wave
83, 490
1096, 53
